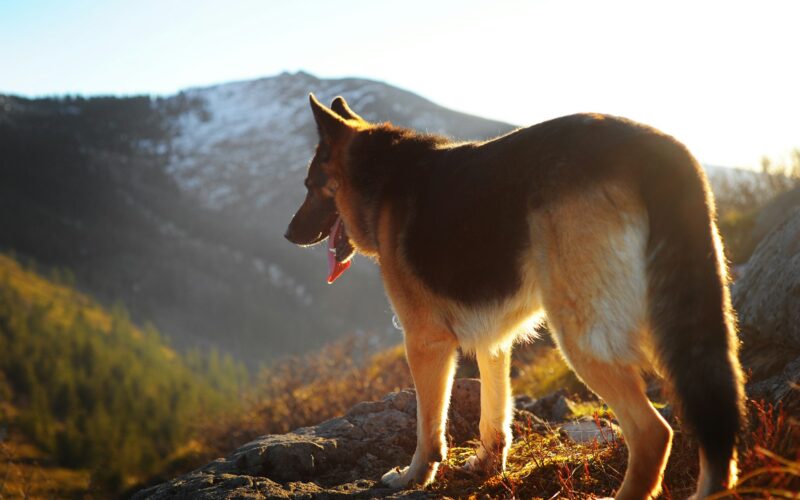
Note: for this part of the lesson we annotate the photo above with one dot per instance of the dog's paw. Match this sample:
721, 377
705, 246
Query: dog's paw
485, 462
408, 476
473, 465
482, 465
397, 478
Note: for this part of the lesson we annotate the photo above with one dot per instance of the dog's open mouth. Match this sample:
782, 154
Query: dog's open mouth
340, 251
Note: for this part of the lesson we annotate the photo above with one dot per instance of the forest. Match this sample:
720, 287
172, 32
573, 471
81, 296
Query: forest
95, 392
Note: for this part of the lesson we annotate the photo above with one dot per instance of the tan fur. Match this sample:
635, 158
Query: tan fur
591, 251
595, 297
495, 423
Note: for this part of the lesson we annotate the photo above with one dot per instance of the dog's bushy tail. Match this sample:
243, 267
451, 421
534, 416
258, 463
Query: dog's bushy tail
690, 312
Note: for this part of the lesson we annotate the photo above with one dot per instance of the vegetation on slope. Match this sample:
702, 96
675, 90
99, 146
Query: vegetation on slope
93, 391
306, 390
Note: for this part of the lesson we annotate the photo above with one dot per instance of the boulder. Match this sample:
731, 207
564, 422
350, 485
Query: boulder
767, 301
587, 430
555, 407
775, 212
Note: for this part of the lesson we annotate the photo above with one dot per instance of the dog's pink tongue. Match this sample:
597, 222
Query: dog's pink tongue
335, 268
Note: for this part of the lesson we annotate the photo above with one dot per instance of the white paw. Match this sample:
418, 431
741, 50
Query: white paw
483, 462
397, 478
473, 464
486, 465
411, 475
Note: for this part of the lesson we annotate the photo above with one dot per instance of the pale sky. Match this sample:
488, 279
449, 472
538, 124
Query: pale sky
722, 76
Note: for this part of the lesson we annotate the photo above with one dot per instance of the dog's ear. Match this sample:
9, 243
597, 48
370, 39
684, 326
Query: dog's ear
341, 108
330, 125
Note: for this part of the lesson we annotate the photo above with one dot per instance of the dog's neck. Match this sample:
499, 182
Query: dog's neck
379, 159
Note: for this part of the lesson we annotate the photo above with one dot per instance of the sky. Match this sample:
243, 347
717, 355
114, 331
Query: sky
721, 76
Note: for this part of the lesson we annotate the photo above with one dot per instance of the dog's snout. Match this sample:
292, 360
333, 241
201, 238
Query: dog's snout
289, 236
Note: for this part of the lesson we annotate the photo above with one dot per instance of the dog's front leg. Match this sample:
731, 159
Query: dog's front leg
432, 358
495, 424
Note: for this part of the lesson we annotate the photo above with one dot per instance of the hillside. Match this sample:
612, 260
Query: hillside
82, 389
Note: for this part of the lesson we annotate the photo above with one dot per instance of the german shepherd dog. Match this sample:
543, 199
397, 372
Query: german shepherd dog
604, 225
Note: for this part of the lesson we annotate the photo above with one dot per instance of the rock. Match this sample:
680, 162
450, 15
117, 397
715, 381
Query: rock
465, 410
405, 400
773, 214
781, 387
767, 301
523, 401
366, 407
587, 430
290, 457
526, 422
563, 409
555, 407
343, 456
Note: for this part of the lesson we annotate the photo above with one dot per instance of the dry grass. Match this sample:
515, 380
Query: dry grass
770, 454
547, 465
540, 465
306, 390
539, 369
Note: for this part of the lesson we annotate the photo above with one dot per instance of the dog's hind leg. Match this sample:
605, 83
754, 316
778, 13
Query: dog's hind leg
646, 433
432, 359
595, 287
495, 423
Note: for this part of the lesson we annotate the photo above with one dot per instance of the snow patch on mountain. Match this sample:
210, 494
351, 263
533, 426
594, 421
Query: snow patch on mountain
244, 144
247, 138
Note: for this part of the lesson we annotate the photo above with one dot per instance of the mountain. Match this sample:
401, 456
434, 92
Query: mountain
176, 206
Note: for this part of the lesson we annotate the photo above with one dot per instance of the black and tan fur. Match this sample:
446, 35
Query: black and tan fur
604, 225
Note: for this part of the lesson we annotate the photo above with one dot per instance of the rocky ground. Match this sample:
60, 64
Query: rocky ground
341, 457
346, 456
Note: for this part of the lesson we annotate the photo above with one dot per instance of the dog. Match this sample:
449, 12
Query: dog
604, 225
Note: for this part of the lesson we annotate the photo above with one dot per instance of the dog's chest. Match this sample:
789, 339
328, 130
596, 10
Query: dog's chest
495, 324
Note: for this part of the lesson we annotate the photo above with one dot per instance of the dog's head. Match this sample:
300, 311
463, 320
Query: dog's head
318, 218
